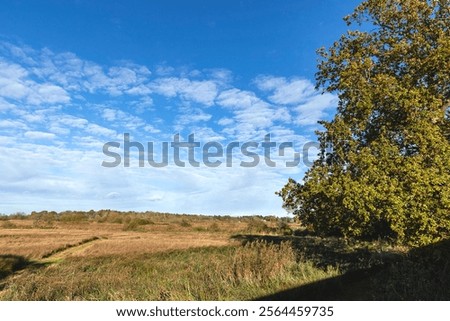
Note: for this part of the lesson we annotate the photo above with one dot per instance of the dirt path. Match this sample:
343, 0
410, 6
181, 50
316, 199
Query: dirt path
70, 249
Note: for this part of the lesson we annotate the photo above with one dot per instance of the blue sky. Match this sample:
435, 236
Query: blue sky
77, 74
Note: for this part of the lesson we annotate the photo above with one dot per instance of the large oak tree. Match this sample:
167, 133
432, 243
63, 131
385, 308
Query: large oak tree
384, 165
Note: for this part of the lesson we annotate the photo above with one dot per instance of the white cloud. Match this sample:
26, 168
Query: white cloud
311, 105
121, 119
15, 84
39, 135
225, 121
315, 109
100, 130
11, 81
33, 117
89, 142
47, 96
71, 121
47, 93
206, 134
7, 123
203, 91
70, 73
286, 91
49, 174
140, 90
151, 129
60, 131
5, 106
163, 70
224, 76
191, 115
12, 71
112, 195
20, 53
155, 198
252, 117
236, 98
122, 79
109, 114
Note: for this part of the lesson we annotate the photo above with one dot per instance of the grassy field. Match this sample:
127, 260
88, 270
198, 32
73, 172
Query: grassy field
154, 256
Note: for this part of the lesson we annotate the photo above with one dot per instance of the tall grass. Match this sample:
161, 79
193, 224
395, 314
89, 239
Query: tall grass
214, 273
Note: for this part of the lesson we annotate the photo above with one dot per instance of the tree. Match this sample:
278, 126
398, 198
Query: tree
384, 164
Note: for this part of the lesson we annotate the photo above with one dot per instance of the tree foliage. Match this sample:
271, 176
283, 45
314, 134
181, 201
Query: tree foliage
384, 165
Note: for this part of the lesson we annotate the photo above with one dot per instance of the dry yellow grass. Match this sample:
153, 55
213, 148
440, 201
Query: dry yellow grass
23, 238
104, 256
205, 273
140, 243
34, 244
107, 255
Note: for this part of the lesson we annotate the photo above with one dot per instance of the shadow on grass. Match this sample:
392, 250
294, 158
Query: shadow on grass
10, 264
330, 251
420, 274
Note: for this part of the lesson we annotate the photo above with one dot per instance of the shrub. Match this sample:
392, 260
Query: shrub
8, 224
73, 217
284, 228
185, 223
214, 227
258, 226
135, 224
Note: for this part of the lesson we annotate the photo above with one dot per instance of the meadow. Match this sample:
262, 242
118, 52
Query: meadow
109, 255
